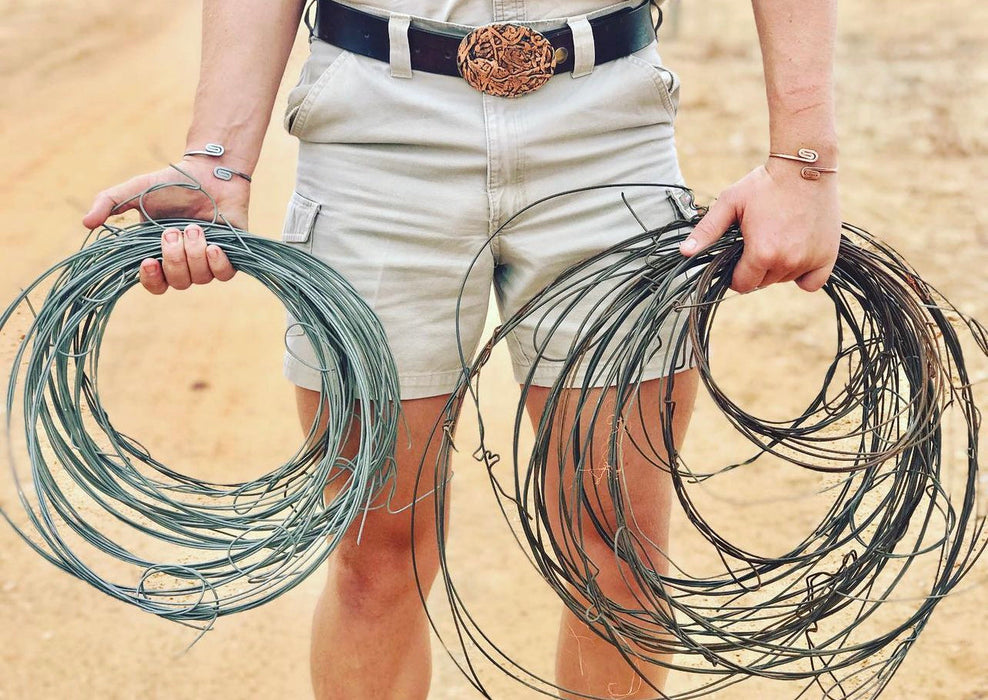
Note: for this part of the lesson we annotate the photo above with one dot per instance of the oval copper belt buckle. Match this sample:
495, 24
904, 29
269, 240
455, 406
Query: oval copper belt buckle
505, 60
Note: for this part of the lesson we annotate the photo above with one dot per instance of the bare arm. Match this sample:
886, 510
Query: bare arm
245, 47
791, 226
797, 40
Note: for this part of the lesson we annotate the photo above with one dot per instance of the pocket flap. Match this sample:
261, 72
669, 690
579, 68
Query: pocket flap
300, 219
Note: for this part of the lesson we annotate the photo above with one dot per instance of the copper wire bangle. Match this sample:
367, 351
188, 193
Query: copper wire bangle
806, 155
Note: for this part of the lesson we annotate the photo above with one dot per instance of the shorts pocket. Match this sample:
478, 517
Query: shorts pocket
323, 64
300, 220
664, 81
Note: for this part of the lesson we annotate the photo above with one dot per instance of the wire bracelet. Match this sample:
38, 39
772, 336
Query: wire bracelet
806, 155
215, 150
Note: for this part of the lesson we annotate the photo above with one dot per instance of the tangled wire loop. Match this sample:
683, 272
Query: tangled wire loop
256, 539
873, 428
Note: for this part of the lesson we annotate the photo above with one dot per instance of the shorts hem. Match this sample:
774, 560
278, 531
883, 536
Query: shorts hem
411, 386
547, 376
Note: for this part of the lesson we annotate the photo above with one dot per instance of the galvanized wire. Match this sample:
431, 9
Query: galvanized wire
227, 547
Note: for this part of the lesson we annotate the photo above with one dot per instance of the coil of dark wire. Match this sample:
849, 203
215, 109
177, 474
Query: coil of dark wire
192, 550
874, 426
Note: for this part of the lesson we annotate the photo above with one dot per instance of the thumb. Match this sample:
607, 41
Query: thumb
114, 200
712, 226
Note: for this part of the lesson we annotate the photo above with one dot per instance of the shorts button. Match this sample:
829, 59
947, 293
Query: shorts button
561, 55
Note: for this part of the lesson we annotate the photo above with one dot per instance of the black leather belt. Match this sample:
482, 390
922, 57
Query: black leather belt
615, 34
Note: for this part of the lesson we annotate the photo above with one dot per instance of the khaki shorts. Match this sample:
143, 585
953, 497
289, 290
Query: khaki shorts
401, 182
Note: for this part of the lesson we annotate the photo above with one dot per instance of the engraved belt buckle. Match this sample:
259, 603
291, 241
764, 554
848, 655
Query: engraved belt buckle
505, 60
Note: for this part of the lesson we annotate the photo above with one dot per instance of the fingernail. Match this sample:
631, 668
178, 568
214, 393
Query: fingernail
149, 266
171, 236
193, 232
688, 246
213, 252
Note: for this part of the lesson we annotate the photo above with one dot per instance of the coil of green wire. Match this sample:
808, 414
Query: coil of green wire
233, 546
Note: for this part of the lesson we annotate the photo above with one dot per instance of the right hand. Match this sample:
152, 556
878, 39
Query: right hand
186, 258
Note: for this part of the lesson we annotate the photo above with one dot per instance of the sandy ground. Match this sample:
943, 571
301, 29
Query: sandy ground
96, 91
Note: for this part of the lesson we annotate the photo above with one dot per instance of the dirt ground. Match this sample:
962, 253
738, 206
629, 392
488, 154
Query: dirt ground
95, 91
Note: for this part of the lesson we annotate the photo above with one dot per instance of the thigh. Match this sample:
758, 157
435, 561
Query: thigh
420, 465
584, 509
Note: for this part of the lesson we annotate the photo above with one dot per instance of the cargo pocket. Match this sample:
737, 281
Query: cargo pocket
300, 220
303, 365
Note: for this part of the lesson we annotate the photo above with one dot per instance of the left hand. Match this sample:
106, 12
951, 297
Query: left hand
791, 227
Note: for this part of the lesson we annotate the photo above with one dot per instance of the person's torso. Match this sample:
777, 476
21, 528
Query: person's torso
477, 12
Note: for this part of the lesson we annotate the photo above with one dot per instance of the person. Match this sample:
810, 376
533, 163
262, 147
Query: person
404, 173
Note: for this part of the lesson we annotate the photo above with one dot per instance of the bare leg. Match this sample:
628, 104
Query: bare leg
370, 635
586, 663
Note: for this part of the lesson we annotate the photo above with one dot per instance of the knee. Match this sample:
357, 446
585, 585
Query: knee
614, 574
375, 578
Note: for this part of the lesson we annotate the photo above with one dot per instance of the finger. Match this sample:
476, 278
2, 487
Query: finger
748, 275
815, 279
777, 274
219, 264
712, 226
173, 259
195, 255
114, 200
793, 274
152, 278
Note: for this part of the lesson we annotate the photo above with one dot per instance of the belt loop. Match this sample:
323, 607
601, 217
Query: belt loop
311, 17
401, 55
584, 57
